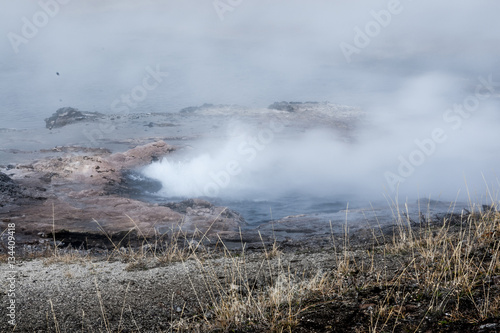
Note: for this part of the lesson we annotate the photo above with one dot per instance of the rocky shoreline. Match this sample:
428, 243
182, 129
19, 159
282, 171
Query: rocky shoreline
361, 282
80, 191
90, 257
80, 194
83, 193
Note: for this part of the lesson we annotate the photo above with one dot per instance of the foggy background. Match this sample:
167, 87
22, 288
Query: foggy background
426, 60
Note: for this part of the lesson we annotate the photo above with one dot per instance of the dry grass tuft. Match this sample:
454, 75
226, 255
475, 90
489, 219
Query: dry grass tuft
421, 277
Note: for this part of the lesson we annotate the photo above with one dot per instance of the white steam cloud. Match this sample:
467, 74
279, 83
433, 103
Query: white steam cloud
418, 142
408, 74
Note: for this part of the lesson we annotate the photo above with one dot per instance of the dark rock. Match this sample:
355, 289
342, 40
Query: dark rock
133, 184
87, 240
284, 106
8, 190
197, 210
4, 179
290, 106
13, 193
151, 124
490, 208
85, 197
196, 108
47, 178
77, 149
182, 207
67, 115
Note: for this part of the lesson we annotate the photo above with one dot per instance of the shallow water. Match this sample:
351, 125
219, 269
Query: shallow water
262, 194
297, 215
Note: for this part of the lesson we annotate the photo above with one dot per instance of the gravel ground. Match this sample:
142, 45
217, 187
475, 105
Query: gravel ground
53, 295
358, 284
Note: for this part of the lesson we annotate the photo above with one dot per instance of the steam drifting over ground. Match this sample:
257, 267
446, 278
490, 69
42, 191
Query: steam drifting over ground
426, 74
429, 150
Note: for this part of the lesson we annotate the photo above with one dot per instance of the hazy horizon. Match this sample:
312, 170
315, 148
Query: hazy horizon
406, 74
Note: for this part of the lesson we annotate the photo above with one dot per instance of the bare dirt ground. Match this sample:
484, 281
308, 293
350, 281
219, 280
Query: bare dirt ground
435, 278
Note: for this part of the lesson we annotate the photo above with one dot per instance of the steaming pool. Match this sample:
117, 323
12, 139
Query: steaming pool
303, 182
295, 215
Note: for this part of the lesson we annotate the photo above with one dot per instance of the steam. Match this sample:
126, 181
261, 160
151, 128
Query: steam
407, 147
427, 59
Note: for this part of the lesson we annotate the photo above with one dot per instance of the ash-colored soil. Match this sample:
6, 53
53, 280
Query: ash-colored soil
131, 296
364, 283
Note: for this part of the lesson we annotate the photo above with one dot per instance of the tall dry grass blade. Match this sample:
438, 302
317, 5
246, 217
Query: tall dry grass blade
101, 306
123, 308
56, 324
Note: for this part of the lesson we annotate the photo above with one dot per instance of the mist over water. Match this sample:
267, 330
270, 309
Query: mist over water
317, 163
428, 58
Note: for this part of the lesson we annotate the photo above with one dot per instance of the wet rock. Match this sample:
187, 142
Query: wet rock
196, 108
214, 110
318, 108
12, 192
342, 118
191, 204
141, 155
97, 169
67, 115
47, 178
77, 149
85, 197
289, 106
85, 240
133, 184
4, 179
151, 124
197, 212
